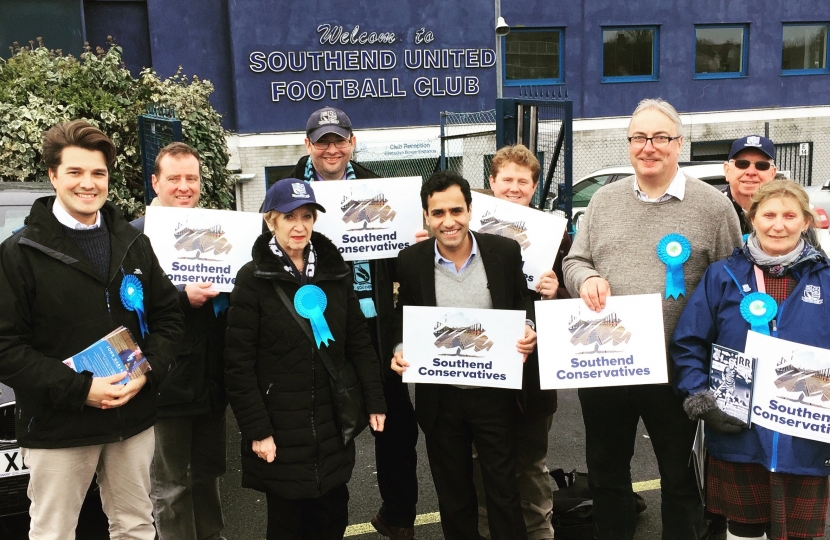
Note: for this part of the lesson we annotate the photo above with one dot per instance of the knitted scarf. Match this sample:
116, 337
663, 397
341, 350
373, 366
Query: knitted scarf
309, 261
779, 265
361, 270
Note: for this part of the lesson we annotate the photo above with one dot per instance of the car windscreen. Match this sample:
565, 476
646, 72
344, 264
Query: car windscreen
584, 190
11, 219
717, 182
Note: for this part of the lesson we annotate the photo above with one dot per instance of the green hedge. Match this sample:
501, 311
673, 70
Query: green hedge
41, 87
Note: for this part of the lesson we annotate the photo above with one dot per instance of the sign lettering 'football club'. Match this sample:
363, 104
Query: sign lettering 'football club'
467, 347
364, 72
370, 219
197, 245
538, 233
624, 344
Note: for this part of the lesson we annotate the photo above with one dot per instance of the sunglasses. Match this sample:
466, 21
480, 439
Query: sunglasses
759, 165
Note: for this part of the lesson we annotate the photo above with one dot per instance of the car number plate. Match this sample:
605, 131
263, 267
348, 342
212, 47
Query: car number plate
11, 464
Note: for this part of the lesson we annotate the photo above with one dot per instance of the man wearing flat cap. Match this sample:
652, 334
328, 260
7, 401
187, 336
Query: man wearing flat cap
330, 143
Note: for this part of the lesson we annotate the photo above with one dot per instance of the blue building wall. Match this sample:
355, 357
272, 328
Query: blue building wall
290, 30
763, 86
129, 26
195, 36
469, 25
230, 43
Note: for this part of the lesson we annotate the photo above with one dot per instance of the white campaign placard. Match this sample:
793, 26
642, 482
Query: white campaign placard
197, 244
792, 387
472, 347
538, 233
370, 219
624, 344
824, 239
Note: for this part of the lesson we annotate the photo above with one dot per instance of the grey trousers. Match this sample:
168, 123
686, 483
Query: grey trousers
59, 479
189, 459
532, 476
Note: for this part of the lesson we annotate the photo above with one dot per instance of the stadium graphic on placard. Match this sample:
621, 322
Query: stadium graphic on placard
803, 378
515, 230
459, 333
367, 208
588, 335
205, 242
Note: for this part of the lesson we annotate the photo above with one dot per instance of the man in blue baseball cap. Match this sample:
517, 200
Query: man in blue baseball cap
750, 165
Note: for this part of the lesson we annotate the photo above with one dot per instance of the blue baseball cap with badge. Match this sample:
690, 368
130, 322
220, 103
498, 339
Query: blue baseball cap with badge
757, 142
289, 194
328, 120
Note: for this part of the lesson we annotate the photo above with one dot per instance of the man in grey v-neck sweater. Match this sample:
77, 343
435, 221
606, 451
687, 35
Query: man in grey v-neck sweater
616, 251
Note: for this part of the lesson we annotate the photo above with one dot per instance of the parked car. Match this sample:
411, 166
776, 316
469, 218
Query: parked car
16, 200
820, 198
584, 189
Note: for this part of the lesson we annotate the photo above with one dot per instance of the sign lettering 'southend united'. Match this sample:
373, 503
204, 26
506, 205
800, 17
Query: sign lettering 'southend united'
622, 345
466, 347
370, 219
197, 245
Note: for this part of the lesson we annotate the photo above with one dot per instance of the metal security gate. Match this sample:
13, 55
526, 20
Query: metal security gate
156, 129
797, 158
468, 142
543, 123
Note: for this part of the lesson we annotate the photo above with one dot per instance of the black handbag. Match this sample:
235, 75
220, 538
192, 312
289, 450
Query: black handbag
346, 389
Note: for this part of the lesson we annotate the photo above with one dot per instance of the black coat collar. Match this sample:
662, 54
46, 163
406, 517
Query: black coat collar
330, 264
45, 233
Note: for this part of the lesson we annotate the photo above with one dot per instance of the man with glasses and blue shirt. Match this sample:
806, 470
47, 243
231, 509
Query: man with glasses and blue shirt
751, 164
617, 249
330, 143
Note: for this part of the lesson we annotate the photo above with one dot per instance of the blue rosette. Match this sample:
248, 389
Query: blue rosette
310, 302
132, 297
758, 309
674, 250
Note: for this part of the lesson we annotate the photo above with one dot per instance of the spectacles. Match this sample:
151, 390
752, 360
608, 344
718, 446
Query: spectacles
745, 163
340, 144
658, 141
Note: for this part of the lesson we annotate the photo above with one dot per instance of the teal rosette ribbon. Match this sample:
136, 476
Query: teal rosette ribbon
758, 309
132, 297
221, 303
310, 302
674, 250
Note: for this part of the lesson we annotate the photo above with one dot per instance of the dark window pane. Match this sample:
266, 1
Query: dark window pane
719, 50
532, 55
628, 53
805, 47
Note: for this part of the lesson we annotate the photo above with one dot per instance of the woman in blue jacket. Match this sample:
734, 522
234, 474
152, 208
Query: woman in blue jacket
761, 480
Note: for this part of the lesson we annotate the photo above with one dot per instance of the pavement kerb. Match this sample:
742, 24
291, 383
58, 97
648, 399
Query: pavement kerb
433, 517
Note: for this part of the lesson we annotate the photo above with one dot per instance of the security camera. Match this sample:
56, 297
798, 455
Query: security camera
242, 178
501, 27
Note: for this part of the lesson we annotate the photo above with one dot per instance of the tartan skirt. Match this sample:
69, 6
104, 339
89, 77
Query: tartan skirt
793, 505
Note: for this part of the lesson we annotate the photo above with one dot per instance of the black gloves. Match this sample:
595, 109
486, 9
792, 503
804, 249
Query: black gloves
704, 406
722, 422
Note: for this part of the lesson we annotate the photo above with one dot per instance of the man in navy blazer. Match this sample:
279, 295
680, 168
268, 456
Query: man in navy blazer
463, 269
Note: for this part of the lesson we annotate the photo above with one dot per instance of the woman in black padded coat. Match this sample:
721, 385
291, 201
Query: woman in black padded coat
277, 385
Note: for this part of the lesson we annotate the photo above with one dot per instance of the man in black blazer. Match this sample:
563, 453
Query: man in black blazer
453, 417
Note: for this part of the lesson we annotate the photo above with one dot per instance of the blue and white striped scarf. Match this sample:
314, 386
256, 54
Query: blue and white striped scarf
361, 271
